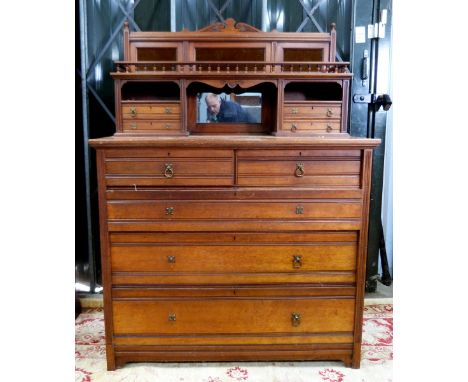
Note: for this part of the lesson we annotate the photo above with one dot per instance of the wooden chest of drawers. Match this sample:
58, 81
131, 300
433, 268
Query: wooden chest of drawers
244, 248
233, 203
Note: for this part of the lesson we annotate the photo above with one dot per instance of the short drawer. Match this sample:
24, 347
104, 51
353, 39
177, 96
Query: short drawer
169, 110
232, 315
172, 167
232, 210
307, 109
314, 126
159, 126
299, 168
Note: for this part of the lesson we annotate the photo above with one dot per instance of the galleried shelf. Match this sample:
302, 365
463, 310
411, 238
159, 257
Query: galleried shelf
233, 203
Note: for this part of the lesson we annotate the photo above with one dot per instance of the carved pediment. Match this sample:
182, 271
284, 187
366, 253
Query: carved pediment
229, 27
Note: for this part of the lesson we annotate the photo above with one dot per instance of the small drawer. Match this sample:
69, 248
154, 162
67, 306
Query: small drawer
170, 110
232, 315
160, 126
307, 168
171, 167
311, 126
311, 110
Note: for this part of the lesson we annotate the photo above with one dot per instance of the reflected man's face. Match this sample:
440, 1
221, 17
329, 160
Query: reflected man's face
213, 105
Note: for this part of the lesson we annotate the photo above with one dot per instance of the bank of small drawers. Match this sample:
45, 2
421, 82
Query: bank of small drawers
308, 118
151, 118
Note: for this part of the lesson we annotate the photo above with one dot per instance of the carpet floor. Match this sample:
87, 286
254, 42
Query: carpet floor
376, 364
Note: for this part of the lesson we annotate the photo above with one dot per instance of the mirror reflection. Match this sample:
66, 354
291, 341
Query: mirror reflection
229, 108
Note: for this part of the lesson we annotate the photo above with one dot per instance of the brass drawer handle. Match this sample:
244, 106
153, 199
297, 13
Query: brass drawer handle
295, 319
171, 259
168, 171
171, 317
297, 261
167, 125
294, 110
293, 127
299, 210
133, 112
329, 128
299, 170
169, 210
329, 112
168, 110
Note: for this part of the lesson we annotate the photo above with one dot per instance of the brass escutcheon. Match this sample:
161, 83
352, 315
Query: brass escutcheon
299, 210
169, 210
133, 125
295, 110
297, 261
167, 125
133, 111
329, 112
295, 319
299, 170
168, 171
329, 128
171, 317
293, 127
171, 259
168, 110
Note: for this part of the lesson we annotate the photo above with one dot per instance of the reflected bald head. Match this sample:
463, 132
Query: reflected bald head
213, 103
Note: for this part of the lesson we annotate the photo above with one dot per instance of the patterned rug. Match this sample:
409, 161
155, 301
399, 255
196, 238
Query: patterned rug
376, 364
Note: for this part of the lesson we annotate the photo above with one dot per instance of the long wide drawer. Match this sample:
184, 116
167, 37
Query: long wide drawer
227, 210
249, 315
234, 253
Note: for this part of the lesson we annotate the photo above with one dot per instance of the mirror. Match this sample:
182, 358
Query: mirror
229, 108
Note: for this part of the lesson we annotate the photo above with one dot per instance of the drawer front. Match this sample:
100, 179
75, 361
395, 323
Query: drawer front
220, 210
239, 258
315, 126
299, 168
159, 126
303, 110
169, 168
301, 252
234, 315
169, 110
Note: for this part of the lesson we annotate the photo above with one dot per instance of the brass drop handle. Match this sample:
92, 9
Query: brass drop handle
299, 210
329, 112
171, 317
299, 170
295, 319
168, 110
297, 261
329, 128
133, 112
168, 171
171, 259
169, 210
293, 127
